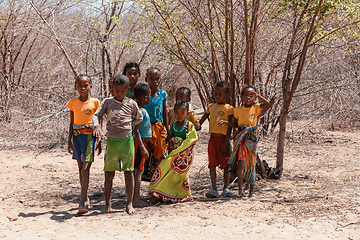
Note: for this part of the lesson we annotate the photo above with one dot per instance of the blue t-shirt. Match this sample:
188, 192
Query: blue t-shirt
145, 127
155, 107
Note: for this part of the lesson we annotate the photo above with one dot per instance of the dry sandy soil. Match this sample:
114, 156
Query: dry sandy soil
317, 197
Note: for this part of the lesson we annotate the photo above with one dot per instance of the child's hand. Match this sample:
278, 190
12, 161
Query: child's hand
168, 139
70, 148
144, 152
225, 147
97, 134
98, 146
223, 122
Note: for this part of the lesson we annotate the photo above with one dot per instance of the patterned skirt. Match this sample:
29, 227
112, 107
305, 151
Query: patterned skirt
170, 182
245, 149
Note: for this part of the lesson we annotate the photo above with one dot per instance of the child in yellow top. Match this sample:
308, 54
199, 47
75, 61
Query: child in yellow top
184, 93
243, 158
81, 141
219, 147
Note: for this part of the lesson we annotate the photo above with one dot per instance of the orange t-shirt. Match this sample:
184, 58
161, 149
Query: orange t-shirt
83, 111
247, 116
219, 112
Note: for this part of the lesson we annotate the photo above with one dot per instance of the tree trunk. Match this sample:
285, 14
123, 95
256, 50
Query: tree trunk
103, 89
281, 141
290, 85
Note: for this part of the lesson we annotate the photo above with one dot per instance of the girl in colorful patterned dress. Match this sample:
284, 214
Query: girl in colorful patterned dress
170, 182
244, 155
180, 127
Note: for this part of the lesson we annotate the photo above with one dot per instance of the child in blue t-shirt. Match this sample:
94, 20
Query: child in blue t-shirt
142, 97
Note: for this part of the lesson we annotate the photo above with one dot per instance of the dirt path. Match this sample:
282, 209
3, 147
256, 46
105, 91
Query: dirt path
317, 198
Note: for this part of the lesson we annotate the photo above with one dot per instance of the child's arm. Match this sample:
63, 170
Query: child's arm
166, 121
98, 146
195, 121
144, 152
71, 129
225, 146
203, 118
232, 123
171, 142
96, 120
264, 101
267, 107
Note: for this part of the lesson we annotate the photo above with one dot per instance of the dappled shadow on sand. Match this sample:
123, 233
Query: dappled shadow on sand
118, 204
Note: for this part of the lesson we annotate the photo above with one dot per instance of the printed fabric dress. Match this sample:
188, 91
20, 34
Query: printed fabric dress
170, 182
245, 149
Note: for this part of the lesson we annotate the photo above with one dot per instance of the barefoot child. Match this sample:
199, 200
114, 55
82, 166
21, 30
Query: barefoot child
243, 158
170, 181
158, 114
184, 93
179, 128
219, 146
132, 71
81, 140
122, 113
142, 97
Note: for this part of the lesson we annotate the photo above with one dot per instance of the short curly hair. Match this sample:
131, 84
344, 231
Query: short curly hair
131, 65
181, 103
224, 85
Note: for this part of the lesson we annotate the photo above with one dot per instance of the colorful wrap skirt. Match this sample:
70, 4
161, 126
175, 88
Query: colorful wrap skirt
170, 182
158, 140
245, 149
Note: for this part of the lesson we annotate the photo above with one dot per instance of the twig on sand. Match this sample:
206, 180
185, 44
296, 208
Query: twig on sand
212, 199
352, 223
48, 148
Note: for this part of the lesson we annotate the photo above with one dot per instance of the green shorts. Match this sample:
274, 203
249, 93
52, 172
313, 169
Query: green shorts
119, 155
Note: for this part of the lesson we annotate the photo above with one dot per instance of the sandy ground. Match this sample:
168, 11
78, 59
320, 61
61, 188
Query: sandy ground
317, 198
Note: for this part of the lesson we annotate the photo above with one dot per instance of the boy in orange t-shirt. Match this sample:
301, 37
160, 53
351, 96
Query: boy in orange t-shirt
219, 145
81, 141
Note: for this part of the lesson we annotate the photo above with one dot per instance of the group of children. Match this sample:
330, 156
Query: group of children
139, 110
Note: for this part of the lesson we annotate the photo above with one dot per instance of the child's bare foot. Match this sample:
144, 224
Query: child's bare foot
251, 194
129, 209
153, 200
87, 203
83, 209
140, 203
108, 209
241, 194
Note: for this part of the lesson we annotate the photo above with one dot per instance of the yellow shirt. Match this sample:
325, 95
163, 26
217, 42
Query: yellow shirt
190, 117
83, 111
247, 116
219, 112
